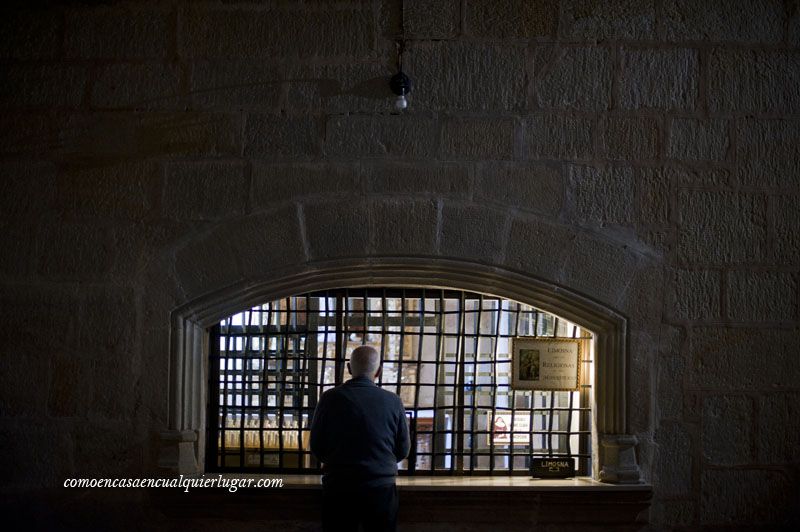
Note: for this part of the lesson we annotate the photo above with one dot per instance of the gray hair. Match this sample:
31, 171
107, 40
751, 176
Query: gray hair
364, 361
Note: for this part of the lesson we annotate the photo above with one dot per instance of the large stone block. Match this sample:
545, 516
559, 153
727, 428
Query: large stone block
24, 379
19, 178
204, 190
670, 387
473, 232
126, 190
108, 448
404, 226
114, 383
25, 464
235, 84
467, 76
743, 358
721, 227
118, 33
601, 21
277, 33
336, 228
31, 34
728, 431
342, 88
393, 136
25, 307
536, 187
449, 180
64, 398
42, 85
748, 21
82, 250
702, 177
557, 137
90, 138
668, 513
698, 140
538, 248
107, 321
281, 137
754, 81
630, 138
768, 153
653, 194
746, 496
242, 248
431, 19
695, 295
268, 240
786, 221
778, 428
672, 475
659, 79
138, 86
762, 296
572, 78
478, 138
603, 195
511, 19
275, 183
600, 268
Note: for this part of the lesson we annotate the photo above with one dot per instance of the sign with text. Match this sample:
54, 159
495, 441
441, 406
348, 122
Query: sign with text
545, 363
552, 467
501, 428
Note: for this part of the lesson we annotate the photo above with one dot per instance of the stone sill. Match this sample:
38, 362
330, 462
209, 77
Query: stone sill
462, 483
499, 503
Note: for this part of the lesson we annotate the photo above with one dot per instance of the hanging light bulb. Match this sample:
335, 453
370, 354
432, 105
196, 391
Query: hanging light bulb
400, 83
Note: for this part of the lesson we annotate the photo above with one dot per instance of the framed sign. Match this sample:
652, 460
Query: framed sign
501, 428
545, 363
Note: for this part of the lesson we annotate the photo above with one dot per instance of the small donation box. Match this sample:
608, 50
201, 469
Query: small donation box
552, 468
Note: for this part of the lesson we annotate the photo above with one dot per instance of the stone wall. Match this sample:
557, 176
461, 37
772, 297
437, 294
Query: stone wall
643, 153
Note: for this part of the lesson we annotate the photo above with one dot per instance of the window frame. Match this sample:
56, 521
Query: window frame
578, 415
182, 447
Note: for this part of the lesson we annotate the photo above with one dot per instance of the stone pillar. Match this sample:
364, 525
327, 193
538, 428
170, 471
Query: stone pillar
177, 454
618, 459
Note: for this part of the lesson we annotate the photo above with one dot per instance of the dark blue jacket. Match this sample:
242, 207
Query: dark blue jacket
359, 433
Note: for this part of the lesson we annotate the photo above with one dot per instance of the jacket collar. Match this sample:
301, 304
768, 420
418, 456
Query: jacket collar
361, 381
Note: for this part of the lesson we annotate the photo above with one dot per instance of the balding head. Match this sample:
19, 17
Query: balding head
364, 362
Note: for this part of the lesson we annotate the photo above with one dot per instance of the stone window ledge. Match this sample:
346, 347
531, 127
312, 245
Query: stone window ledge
459, 483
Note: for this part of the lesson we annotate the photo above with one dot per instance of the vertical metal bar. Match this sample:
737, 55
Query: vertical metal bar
225, 392
438, 361
212, 415
474, 405
569, 412
458, 422
551, 413
340, 339
264, 379
412, 465
513, 400
281, 396
533, 396
246, 401
490, 421
401, 354
384, 332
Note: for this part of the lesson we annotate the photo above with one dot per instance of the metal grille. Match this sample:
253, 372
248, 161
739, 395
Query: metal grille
445, 353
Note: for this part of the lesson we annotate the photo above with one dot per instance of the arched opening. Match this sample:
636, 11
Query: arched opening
489, 385
184, 447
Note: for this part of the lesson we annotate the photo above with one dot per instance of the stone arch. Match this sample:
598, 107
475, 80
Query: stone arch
182, 449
